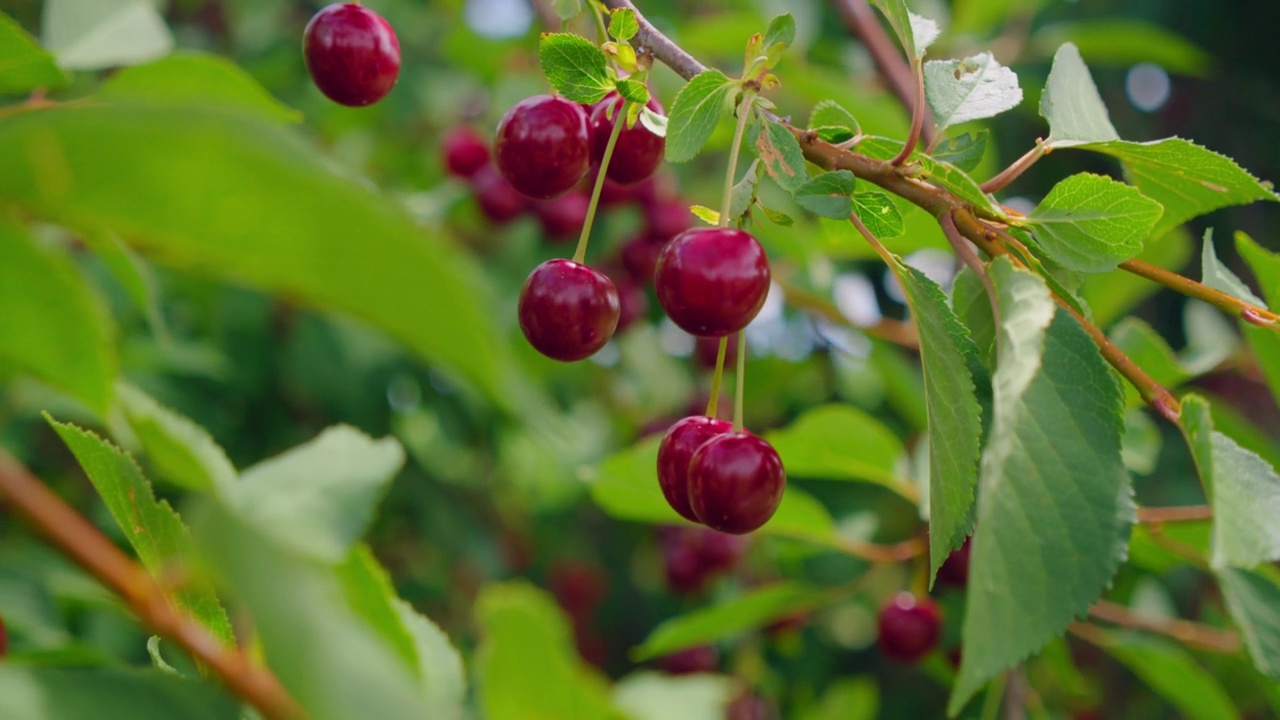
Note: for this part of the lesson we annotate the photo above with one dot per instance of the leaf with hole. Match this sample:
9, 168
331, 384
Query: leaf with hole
970, 89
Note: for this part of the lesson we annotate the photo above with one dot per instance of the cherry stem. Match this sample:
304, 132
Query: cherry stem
1160, 515
1002, 179
1248, 312
1198, 635
744, 114
917, 118
741, 379
580, 253
713, 403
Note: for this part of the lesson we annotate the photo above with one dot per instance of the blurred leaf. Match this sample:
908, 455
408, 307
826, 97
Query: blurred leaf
96, 34
575, 67
53, 326
568, 9
839, 124
1091, 223
180, 451
782, 157
697, 110
970, 89
1173, 674
828, 195
1254, 602
963, 151
527, 663
32, 692
1219, 276
154, 530
856, 698
879, 214
782, 29
24, 65
649, 695
1243, 489
1123, 43
1151, 352
1147, 549
914, 32
1142, 442
1054, 397
750, 611
1111, 295
839, 442
1071, 103
134, 275
984, 16
196, 79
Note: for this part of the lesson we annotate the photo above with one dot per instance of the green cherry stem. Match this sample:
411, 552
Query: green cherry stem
741, 379
580, 253
713, 403
744, 114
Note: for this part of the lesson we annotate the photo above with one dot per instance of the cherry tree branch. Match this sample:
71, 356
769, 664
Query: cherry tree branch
1161, 515
649, 37
76, 538
1001, 180
1193, 634
1232, 306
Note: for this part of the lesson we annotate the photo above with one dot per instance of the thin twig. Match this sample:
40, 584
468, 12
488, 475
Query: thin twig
672, 55
1160, 515
1002, 179
917, 119
896, 553
894, 331
1192, 634
1233, 306
77, 539
1015, 694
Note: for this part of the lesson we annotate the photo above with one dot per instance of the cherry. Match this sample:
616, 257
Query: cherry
749, 706
543, 146
352, 54
678, 446
735, 482
712, 281
562, 217
697, 659
4, 639
497, 199
640, 257
667, 218
633, 304
909, 628
637, 152
568, 311
720, 552
684, 570
465, 151
578, 586
705, 351
954, 571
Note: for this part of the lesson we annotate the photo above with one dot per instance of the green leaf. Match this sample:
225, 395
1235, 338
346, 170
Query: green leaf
527, 663
53, 327
320, 497
782, 157
96, 34
650, 695
1054, 504
154, 530
1151, 352
634, 92
134, 275
1071, 103
850, 698
622, 24
970, 89
1264, 264
35, 692
936, 171
705, 214
24, 65
749, 611
914, 32
963, 151
744, 192
568, 9
1091, 223
1243, 489
828, 195
1254, 602
195, 78
575, 67
1173, 674
833, 122
1111, 295
204, 193
840, 442
953, 373
1124, 43
879, 213
698, 108
180, 451
1219, 276
443, 677
781, 30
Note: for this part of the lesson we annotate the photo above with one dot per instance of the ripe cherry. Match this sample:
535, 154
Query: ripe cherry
543, 146
465, 151
633, 303
712, 281
4, 639
352, 54
909, 627
667, 218
640, 257
637, 153
497, 199
568, 311
697, 659
954, 571
678, 446
562, 217
735, 482
705, 351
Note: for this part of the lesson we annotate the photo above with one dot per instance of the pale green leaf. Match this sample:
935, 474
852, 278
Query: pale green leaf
134, 275
879, 214
1254, 602
1219, 277
1151, 352
970, 89
839, 442
923, 32
649, 695
963, 151
1264, 341
574, 66
915, 33
749, 611
1122, 42
95, 34
828, 195
568, 9
634, 92
1071, 103
195, 78
782, 29
830, 120
24, 65
782, 157
36, 692
1173, 674
1111, 295
179, 451
1091, 223
443, 677
622, 24
698, 108
850, 698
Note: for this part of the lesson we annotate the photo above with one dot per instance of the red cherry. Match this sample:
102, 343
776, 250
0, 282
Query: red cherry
352, 54
678, 446
562, 217
909, 627
712, 281
637, 153
749, 706
633, 304
543, 146
954, 571
580, 587
697, 659
640, 257
465, 151
4, 639
705, 351
667, 218
720, 552
497, 199
568, 311
684, 570
735, 482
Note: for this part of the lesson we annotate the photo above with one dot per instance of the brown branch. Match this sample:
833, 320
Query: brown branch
886, 554
672, 55
917, 120
1160, 515
1192, 634
77, 539
1002, 179
1232, 306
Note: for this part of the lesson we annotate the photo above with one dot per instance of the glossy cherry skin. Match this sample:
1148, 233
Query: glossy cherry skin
465, 151
543, 146
562, 217
352, 54
678, 446
954, 571
697, 659
712, 281
909, 627
637, 153
568, 311
497, 199
735, 482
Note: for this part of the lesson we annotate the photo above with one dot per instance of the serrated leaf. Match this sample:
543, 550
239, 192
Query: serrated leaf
633, 91
24, 65
936, 171
194, 79
923, 32
749, 611
782, 157
36, 692
1091, 223
1243, 489
839, 124
152, 527
574, 66
829, 195
839, 442
1173, 674
953, 376
878, 212
622, 24
96, 34
970, 89
1071, 103
180, 451
1054, 504
1219, 277
782, 29
744, 192
963, 151
443, 677
1254, 602
914, 32
53, 327
699, 106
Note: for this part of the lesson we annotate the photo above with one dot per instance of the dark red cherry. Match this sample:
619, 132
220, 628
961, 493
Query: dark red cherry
637, 153
352, 54
640, 257
667, 218
497, 199
705, 351
909, 627
697, 659
543, 146
678, 446
465, 151
683, 565
562, 217
720, 552
579, 587
633, 303
954, 571
735, 482
712, 281
4, 639
568, 311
